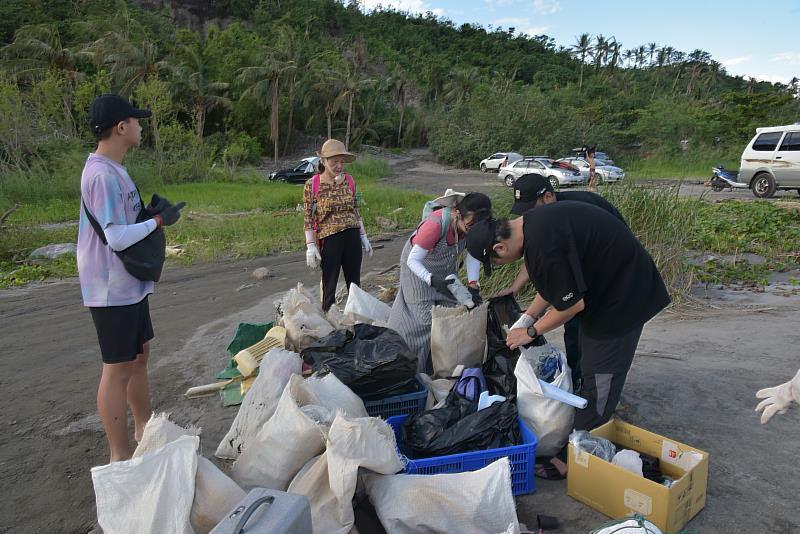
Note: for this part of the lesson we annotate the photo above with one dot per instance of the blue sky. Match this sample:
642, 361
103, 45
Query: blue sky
757, 39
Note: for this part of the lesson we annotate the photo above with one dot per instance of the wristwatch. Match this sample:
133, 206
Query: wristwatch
531, 331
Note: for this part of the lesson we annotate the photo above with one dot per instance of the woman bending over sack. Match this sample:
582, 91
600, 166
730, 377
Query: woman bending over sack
429, 256
333, 226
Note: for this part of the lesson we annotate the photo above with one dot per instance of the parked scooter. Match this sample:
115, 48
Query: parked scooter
725, 179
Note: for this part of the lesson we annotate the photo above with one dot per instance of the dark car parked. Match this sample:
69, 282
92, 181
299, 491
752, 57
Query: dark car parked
299, 174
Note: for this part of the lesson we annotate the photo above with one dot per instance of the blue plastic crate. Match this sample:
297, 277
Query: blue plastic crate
522, 458
405, 404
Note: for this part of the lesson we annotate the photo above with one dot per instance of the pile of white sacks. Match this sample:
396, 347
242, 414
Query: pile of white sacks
306, 436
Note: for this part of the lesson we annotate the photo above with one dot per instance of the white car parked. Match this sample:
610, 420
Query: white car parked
603, 173
558, 173
771, 160
492, 163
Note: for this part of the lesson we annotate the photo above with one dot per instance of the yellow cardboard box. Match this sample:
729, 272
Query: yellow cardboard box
618, 493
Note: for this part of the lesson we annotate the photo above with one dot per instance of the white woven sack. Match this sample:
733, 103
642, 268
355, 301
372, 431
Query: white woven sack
362, 307
458, 337
329, 480
550, 420
215, 494
284, 444
334, 395
476, 501
260, 401
303, 318
151, 493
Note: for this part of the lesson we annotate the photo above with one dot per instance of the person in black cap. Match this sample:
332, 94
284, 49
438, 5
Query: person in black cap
110, 204
582, 260
533, 190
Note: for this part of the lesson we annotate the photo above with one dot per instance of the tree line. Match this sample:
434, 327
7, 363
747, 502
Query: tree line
281, 74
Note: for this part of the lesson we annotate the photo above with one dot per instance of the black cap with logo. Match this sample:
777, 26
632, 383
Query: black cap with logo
480, 240
527, 190
109, 110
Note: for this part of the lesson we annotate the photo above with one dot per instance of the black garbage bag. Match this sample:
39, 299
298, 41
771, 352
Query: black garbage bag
458, 427
373, 361
500, 360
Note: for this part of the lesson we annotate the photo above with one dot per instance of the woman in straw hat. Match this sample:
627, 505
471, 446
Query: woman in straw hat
333, 227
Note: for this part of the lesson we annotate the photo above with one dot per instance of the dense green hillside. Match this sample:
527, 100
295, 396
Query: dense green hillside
279, 72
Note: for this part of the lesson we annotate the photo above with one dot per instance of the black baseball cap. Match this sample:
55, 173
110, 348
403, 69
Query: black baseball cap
527, 190
480, 240
108, 110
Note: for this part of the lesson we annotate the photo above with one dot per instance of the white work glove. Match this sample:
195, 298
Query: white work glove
313, 259
778, 399
524, 321
366, 245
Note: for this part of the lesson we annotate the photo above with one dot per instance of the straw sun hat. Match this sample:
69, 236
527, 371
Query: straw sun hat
334, 147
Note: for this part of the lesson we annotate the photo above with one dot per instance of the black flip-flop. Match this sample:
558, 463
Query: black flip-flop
548, 471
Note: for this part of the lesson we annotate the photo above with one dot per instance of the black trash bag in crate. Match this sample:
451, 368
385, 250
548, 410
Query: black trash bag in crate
500, 360
373, 361
458, 427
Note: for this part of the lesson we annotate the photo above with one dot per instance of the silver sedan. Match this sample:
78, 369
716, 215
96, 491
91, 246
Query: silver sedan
604, 173
558, 174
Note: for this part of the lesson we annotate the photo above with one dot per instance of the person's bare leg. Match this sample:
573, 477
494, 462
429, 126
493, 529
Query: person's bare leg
112, 407
139, 393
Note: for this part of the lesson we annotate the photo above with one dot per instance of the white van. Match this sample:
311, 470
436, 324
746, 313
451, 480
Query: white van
771, 160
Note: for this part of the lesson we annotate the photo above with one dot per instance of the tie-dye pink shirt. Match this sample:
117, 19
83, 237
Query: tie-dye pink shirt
112, 198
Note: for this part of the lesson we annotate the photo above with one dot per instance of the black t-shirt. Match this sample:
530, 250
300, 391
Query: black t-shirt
577, 251
591, 198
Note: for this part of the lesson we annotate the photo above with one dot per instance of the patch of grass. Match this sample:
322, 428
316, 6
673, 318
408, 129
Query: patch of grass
696, 165
208, 230
12, 275
733, 272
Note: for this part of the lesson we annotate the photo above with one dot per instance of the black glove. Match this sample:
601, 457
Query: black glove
476, 295
442, 286
170, 215
157, 205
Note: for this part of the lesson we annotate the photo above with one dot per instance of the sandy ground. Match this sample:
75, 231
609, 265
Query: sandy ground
722, 352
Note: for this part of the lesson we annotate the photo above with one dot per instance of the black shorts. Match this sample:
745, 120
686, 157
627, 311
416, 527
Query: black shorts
122, 330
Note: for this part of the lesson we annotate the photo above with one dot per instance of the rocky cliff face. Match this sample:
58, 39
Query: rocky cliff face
193, 14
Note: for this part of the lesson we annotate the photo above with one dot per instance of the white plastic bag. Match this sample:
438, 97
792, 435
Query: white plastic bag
550, 419
458, 337
438, 389
215, 494
334, 395
303, 318
475, 501
284, 444
633, 525
362, 307
329, 480
151, 493
629, 460
260, 401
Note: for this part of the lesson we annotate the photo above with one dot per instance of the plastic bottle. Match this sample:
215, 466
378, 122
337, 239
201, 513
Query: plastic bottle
461, 293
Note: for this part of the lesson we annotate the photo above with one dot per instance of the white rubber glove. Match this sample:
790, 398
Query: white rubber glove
778, 399
365, 243
524, 321
313, 259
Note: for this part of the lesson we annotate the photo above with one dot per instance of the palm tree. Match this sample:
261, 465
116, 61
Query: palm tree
651, 50
614, 47
397, 84
460, 83
36, 51
640, 53
582, 47
191, 83
600, 51
293, 51
353, 82
323, 87
262, 82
